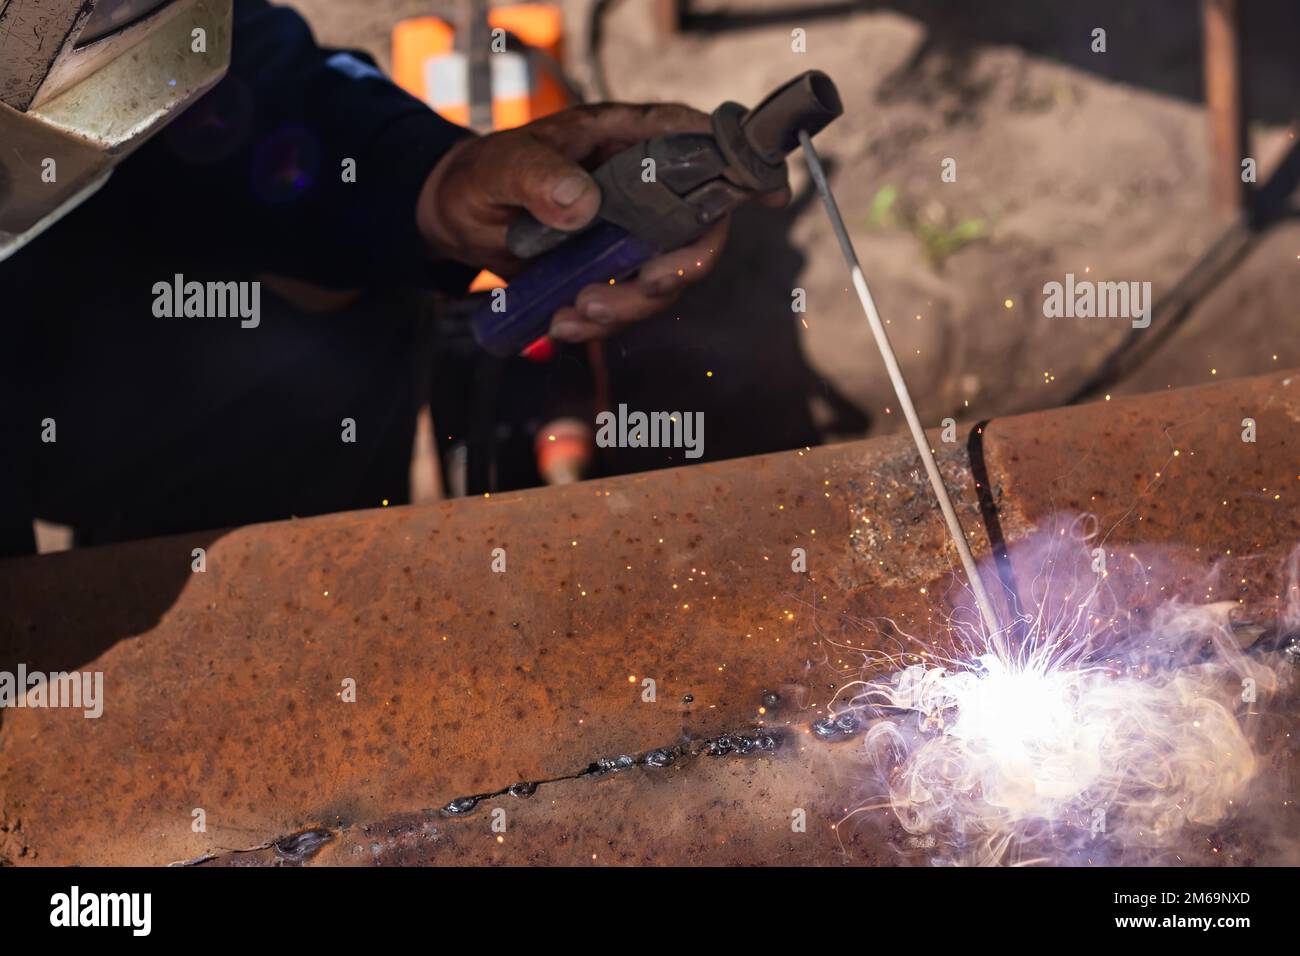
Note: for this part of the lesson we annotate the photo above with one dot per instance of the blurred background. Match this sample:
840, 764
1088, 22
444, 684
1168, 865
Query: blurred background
1122, 165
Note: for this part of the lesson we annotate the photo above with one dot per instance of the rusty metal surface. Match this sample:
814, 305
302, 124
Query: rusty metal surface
1169, 469
223, 687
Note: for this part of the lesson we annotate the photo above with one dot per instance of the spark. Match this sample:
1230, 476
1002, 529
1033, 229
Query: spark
1012, 746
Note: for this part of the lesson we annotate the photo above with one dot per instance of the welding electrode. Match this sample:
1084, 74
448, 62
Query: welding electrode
900, 386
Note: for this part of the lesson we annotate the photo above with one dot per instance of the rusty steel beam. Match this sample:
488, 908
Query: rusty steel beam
225, 689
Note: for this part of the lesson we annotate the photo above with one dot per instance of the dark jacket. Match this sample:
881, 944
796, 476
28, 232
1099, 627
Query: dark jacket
248, 181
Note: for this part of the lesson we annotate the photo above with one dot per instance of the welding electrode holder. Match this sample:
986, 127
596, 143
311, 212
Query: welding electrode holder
656, 196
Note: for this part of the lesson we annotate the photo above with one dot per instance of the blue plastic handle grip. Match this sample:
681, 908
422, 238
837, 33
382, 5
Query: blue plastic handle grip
601, 253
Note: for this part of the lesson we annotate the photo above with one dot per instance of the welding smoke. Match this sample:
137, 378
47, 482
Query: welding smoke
1092, 730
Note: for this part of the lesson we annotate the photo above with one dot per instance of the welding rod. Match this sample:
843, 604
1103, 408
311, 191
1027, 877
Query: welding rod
900, 386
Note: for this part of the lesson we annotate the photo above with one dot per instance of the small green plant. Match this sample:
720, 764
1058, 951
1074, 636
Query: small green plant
933, 227
882, 208
940, 241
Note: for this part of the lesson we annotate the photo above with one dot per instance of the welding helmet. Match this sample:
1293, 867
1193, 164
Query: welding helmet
85, 82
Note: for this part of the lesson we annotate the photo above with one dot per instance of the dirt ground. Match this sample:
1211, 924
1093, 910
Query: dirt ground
1067, 161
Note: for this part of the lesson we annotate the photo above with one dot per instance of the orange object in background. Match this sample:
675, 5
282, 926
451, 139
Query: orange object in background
427, 64
486, 281
565, 450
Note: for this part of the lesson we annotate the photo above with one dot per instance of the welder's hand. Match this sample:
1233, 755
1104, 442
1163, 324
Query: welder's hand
482, 183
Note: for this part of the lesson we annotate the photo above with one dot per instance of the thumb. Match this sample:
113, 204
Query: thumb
521, 170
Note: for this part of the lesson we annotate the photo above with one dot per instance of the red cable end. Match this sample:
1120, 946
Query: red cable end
543, 350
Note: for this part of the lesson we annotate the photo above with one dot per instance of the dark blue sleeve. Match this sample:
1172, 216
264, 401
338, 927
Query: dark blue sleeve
255, 168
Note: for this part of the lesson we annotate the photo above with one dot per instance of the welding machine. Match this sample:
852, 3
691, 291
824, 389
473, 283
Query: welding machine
82, 84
